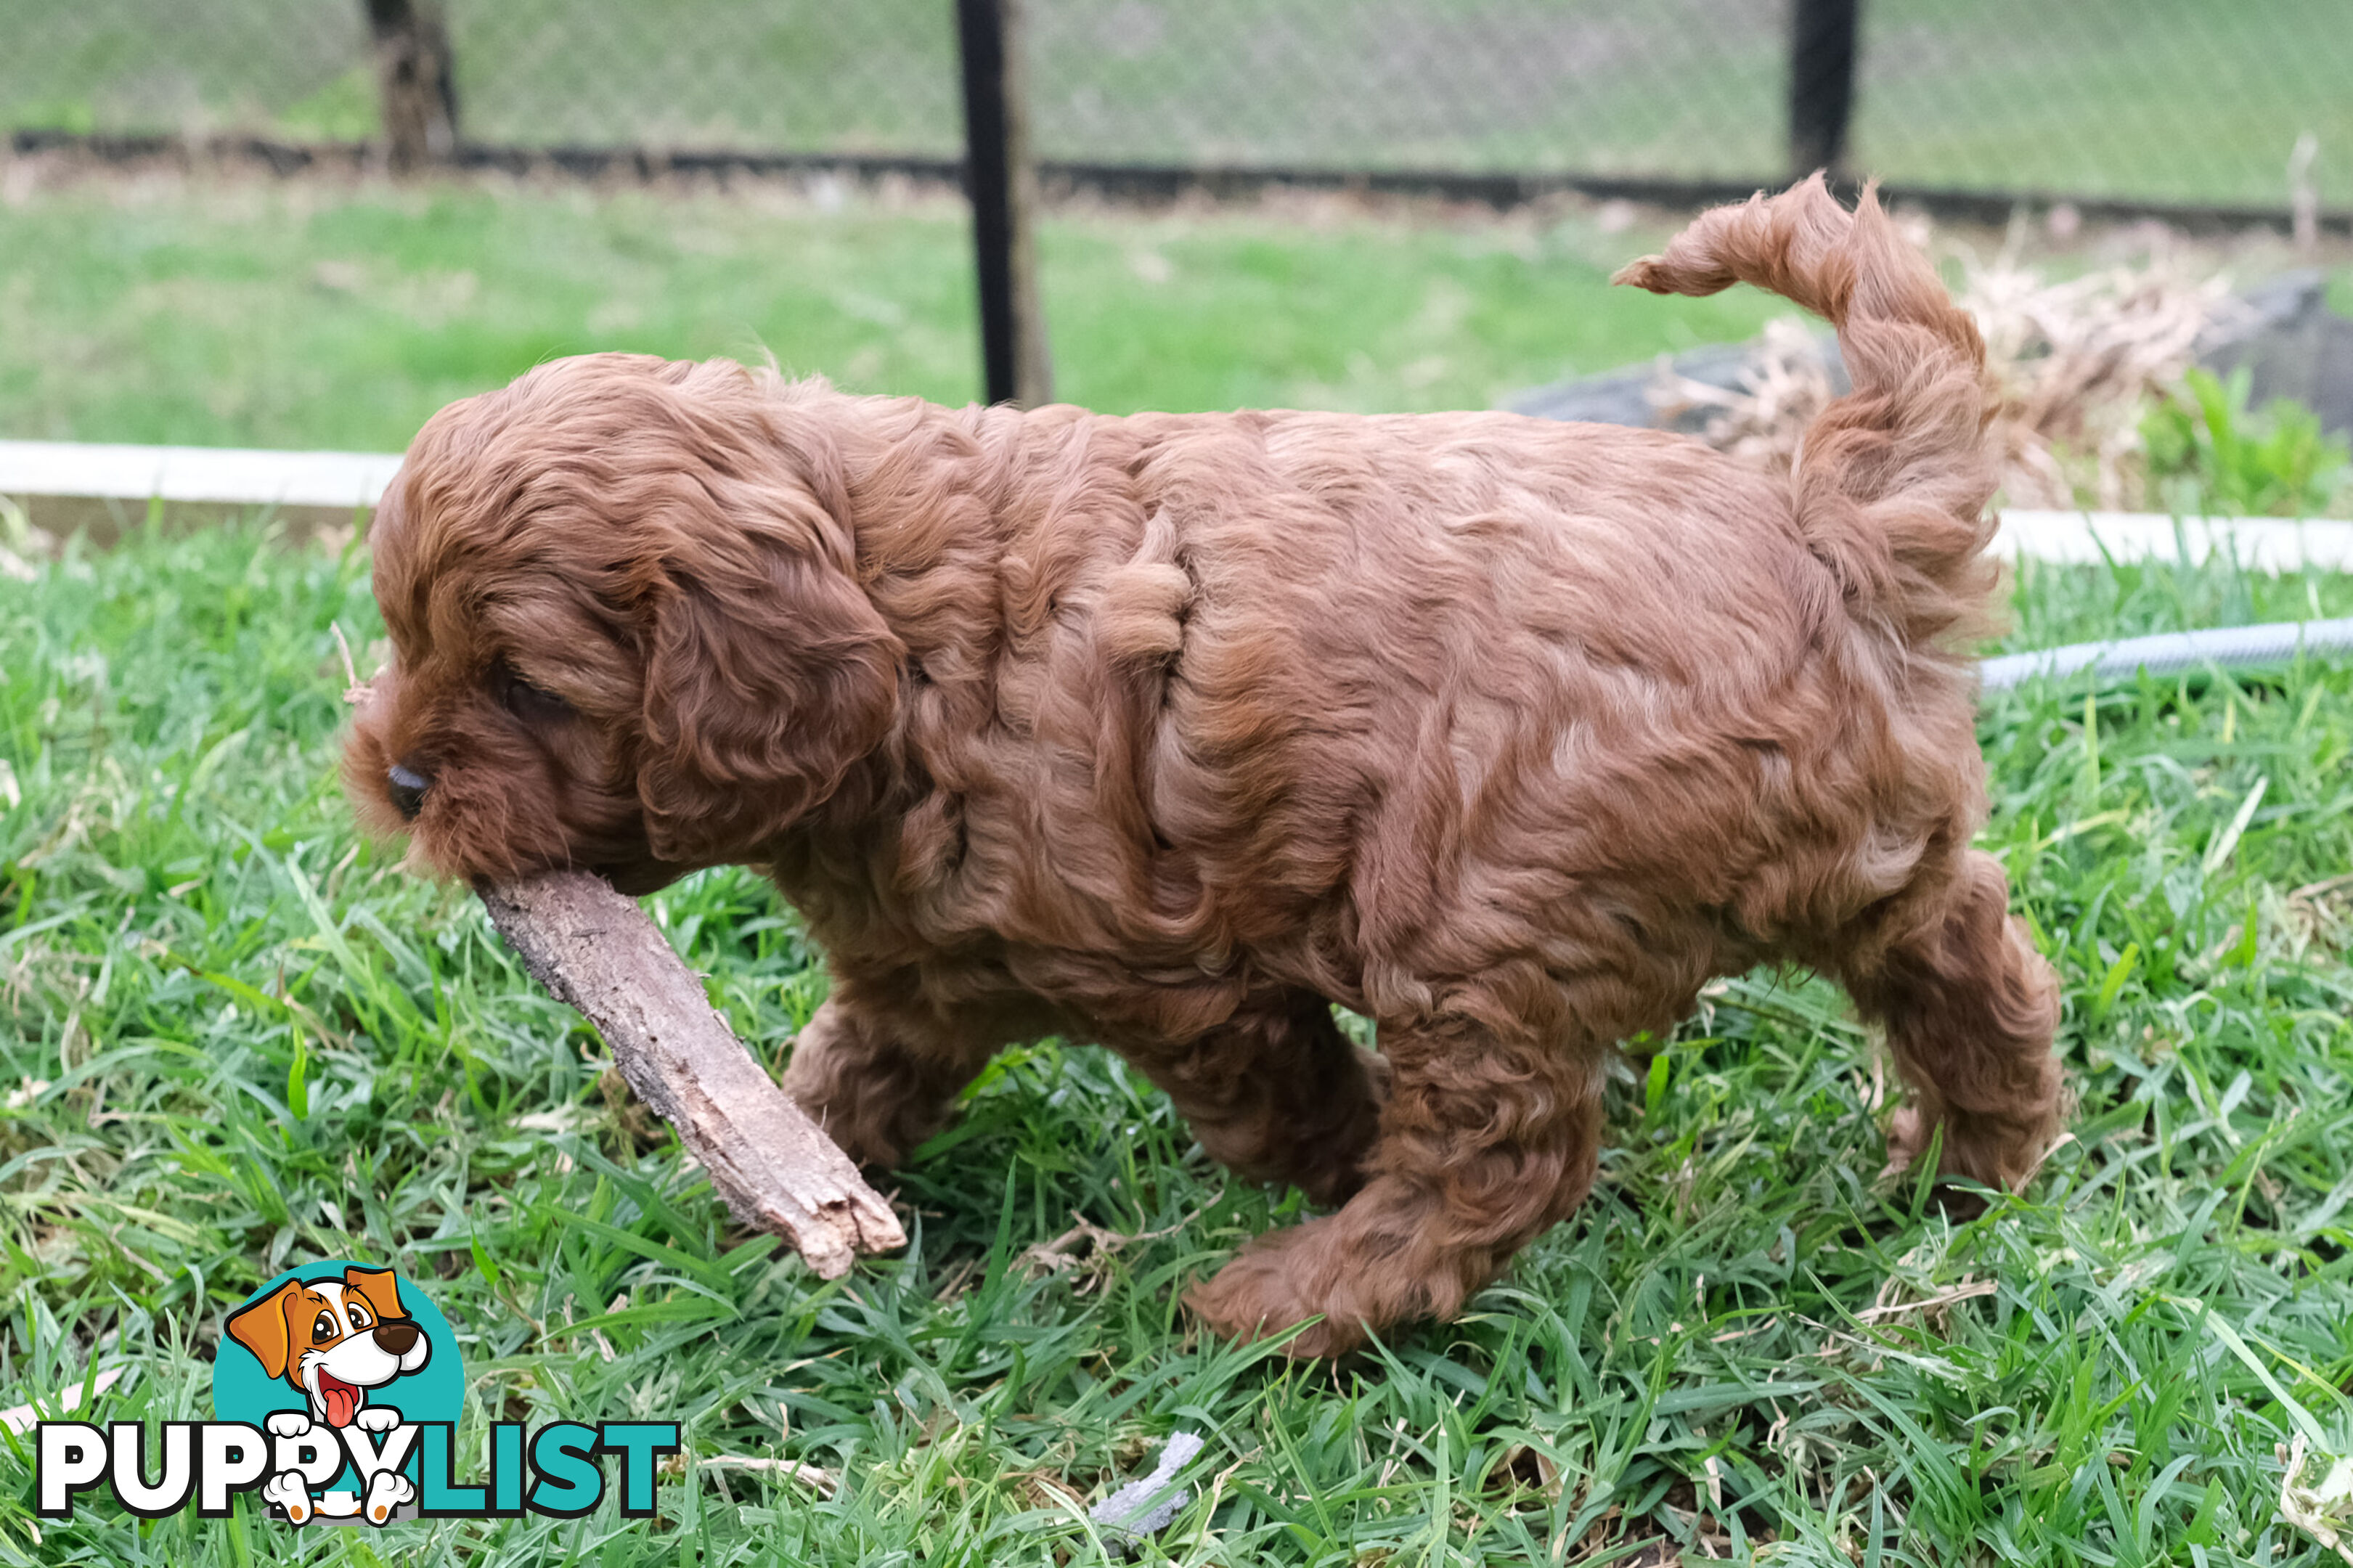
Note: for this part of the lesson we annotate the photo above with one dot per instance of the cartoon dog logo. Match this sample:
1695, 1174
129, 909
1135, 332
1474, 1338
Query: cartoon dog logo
333, 1340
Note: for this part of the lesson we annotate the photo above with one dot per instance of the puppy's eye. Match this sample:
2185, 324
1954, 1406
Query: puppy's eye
531, 704
323, 1329
359, 1317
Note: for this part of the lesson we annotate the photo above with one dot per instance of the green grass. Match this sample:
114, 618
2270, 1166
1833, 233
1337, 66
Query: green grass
309, 314
233, 1038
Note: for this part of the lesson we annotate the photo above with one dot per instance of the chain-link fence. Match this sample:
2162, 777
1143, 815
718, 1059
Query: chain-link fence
2196, 102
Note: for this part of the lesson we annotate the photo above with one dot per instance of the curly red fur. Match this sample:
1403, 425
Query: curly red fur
1170, 732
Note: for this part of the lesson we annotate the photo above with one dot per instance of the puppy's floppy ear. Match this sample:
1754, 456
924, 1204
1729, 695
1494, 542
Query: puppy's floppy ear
769, 671
261, 1328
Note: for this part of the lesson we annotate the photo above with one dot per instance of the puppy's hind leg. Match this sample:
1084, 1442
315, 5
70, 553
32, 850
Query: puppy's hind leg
1486, 1140
878, 1084
1278, 1094
1970, 1008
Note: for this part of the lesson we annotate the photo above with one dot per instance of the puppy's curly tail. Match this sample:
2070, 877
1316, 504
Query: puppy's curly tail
1891, 482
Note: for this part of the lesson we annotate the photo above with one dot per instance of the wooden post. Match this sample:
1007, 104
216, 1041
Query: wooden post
414, 83
1821, 83
1002, 181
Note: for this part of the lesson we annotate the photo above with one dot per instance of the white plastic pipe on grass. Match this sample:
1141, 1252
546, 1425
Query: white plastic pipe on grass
2169, 653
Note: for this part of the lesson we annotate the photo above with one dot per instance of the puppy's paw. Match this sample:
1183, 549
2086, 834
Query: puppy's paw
290, 1491
386, 1490
859, 1102
869, 1145
1261, 1294
2001, 1150
1907, 1139
288, 1424
378, 1418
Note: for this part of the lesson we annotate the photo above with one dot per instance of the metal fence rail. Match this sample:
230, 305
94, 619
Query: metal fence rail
2130, 101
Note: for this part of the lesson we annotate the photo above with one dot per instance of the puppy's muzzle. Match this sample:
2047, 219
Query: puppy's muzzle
407, 787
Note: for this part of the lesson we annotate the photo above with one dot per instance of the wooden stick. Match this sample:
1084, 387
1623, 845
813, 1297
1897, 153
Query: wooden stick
595, 950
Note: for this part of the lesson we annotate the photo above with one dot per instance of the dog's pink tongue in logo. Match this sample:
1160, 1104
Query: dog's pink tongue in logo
343, 1400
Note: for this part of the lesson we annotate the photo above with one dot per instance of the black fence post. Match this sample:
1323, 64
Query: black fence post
1821, 83
416, 82
1003, 184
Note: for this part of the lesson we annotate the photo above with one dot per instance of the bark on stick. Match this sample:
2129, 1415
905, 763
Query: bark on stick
596, 951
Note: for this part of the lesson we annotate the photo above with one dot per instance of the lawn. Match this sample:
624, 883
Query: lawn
235, 1038
252, 312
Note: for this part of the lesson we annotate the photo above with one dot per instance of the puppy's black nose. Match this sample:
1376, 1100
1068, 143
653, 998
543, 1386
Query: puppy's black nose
396, 1337
406, 786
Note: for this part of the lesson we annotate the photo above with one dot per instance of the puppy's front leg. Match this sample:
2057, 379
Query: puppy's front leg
387, 1490
878, 1084
291, 1493
1486, 1142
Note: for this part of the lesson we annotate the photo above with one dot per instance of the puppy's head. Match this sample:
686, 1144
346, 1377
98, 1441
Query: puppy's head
333, 1339
626, 631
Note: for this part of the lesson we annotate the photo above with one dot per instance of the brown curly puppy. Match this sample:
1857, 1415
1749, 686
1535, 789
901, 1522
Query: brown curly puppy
1170, 732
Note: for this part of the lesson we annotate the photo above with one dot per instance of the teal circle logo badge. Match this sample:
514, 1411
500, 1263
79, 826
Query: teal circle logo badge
341, 1363
336, 1395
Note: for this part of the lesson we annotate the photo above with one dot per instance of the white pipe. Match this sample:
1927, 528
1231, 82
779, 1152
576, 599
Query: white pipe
221, 474
2168, 653
2256, 543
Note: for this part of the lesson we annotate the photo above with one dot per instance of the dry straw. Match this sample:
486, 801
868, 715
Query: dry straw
2074, 364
